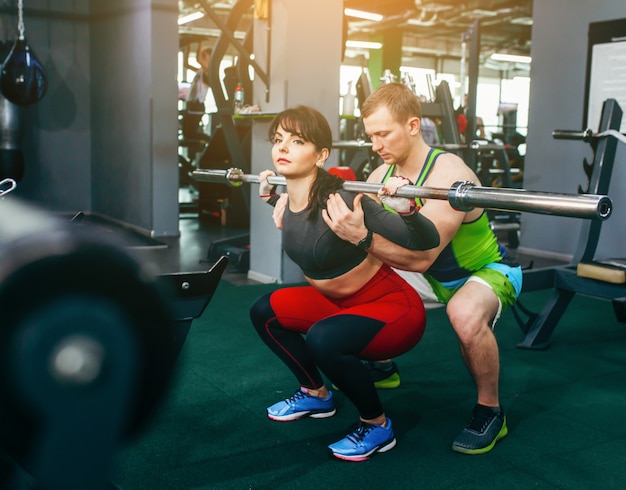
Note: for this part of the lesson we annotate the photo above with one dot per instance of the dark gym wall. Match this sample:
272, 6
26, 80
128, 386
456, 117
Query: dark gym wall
56, 139
134, 47
104, 137
557, 91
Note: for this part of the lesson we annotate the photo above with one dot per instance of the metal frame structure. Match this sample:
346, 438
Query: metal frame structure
563, 280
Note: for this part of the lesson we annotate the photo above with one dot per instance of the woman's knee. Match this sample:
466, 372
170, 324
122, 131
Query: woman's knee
341, 335
325, 343
261, 312
318, 340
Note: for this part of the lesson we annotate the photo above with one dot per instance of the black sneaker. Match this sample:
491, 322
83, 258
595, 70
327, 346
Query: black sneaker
384, 374
484, 429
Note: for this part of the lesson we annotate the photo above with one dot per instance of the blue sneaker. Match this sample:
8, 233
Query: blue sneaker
364, 441
301, 405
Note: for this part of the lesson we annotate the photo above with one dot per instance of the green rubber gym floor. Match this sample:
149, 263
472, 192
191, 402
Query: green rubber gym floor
565, 406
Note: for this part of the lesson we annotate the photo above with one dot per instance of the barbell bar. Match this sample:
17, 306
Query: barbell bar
478, 145
462, 195
587, 135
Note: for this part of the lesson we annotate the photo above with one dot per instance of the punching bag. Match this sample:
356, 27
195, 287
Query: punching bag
11, 156
23, 79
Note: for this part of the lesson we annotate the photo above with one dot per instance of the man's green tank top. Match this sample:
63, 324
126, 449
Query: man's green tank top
473, 246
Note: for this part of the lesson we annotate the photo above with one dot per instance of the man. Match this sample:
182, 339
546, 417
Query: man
468, 271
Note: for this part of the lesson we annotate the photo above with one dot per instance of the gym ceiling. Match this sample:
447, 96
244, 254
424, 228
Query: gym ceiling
431, 28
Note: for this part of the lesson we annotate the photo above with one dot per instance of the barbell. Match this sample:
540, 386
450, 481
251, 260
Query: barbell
462, 195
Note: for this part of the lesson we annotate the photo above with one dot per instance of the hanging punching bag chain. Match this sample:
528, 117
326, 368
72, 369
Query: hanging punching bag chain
20, 19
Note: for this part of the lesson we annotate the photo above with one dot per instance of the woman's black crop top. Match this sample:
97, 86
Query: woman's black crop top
323, 255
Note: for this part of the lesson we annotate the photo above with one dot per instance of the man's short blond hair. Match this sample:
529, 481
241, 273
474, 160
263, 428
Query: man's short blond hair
397, 97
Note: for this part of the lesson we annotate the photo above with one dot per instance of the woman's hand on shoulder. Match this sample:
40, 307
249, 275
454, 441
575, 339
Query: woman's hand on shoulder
348, 224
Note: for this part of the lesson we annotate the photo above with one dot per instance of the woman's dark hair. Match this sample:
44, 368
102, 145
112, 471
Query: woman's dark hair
310, 125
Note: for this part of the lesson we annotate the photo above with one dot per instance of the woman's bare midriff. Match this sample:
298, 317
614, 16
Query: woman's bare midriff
350, 282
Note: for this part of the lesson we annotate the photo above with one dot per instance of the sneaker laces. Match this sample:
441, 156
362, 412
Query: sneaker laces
359, 431
298, 395
481, 417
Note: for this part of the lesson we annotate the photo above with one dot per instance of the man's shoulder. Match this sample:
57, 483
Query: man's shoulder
451, 159
449, 168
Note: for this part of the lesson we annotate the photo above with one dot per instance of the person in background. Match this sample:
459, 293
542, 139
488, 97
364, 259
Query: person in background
354, 306
197, 96
429, 128
461, 120
469, 271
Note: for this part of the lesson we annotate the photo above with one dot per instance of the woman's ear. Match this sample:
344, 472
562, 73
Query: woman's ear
322, 157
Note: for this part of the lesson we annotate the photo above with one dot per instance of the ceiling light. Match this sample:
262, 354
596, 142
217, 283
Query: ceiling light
185, 19
522, 21
360, 14
202, 31
513, 58
479, 13
432, 7
363, 44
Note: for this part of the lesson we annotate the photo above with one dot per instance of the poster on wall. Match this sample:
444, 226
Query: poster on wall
606, 70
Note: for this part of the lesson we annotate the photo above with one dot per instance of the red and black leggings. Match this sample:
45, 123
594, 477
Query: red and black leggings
384, 319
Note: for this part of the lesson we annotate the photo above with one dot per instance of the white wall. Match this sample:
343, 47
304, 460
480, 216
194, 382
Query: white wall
304, 69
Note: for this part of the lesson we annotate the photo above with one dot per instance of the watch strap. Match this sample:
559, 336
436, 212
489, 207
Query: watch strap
366, 242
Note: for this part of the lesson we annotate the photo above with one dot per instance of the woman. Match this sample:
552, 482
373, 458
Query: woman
355, 306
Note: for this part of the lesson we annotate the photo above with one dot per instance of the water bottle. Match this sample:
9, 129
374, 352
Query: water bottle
348, 102
239, 96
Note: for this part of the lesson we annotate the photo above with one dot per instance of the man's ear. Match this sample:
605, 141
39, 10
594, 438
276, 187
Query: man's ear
415, 123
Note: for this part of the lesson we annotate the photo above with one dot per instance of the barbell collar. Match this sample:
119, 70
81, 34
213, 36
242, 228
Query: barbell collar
463, 195
457, 195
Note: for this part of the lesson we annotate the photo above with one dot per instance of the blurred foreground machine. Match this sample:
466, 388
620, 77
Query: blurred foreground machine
88, 344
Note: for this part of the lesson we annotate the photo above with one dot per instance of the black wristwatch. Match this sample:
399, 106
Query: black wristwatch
366, 242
